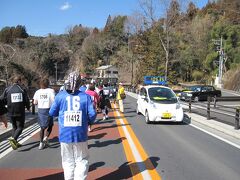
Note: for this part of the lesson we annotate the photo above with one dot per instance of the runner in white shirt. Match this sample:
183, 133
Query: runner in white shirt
44, 98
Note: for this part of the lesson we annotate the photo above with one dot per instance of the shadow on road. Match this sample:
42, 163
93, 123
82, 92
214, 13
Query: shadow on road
58, 176
107, 127
124, 171
106, 143
97, 136
29, 146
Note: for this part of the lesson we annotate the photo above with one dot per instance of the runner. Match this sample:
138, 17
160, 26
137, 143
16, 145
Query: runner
104, 100
44, 98
16, 99
75, 111
83, 86
95, 99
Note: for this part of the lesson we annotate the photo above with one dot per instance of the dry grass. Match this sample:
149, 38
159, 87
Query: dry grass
231, 79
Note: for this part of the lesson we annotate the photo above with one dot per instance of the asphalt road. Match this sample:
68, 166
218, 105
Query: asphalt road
184, 152
177, 151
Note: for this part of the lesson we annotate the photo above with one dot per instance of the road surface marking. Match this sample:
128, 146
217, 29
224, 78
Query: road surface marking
134, 151
22, 140
216, 136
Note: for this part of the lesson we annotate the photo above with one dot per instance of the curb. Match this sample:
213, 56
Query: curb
221, 127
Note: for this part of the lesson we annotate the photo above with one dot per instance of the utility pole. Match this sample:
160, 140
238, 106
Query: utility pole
131, 58
219, 45
221, 54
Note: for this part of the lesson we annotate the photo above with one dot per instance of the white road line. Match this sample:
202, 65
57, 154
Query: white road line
134, 149
21, 141
216, 136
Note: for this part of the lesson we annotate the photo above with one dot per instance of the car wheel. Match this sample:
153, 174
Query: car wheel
147, 118
196, 99
137, 110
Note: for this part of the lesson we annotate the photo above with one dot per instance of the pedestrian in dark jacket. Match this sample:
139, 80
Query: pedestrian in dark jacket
16, 99
3, 111
105, 104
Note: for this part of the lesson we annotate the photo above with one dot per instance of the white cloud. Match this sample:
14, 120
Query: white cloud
66, 6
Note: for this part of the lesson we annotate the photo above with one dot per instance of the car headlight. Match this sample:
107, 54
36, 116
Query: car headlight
152, 104
178, 105
190, 95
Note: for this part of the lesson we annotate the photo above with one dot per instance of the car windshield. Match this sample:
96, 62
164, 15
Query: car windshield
162, 95
194, 88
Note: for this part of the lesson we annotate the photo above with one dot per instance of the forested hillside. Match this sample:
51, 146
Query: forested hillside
183, 45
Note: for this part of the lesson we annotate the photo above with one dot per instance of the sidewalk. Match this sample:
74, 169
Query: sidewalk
6, 132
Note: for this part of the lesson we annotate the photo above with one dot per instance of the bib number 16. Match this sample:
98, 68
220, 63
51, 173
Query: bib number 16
73, 103
73, 115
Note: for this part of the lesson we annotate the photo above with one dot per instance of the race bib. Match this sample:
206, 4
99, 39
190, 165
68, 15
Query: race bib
72, 118
106, 92
43, 97
16, 97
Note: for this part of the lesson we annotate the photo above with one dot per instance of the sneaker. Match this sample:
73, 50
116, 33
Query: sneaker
41, 146
19, 145
106, 116
45, 141
13, 143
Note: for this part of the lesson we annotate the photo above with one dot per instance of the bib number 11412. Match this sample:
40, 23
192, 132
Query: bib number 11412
73, 115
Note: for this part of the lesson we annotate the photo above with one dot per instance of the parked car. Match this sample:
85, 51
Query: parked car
159, 103
199, 93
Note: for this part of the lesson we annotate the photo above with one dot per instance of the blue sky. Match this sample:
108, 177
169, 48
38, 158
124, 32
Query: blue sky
41, 17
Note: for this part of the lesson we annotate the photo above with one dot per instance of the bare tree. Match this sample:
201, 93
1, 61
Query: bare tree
169, 13
134, 23
7, 53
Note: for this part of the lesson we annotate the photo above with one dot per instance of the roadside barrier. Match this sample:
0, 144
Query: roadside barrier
212, 106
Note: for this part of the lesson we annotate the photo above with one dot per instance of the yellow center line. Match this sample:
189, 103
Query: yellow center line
140, 164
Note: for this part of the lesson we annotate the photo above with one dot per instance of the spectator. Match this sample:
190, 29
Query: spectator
16, 99
75, 111
44, 98
120, 96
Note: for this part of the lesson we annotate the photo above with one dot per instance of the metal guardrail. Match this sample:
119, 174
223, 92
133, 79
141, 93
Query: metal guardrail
213, 108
